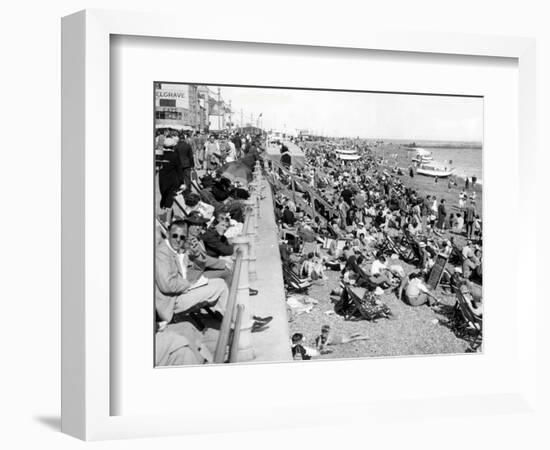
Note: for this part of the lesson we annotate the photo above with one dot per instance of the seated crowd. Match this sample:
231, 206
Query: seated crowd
355, 217
194, 257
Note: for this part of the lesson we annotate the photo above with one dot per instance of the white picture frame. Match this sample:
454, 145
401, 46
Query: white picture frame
86, 383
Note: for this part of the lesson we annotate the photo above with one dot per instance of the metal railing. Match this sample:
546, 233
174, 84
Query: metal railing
225, 329
237, 309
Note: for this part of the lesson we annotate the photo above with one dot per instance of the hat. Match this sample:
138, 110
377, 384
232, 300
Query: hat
169, 142
195, 218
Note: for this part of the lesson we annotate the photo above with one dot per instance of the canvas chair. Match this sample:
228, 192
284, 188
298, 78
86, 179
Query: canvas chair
355, 307
293, 282
389, 246
468, 325
456, 256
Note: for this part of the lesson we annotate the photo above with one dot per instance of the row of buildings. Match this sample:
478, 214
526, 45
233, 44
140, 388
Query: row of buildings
190, 107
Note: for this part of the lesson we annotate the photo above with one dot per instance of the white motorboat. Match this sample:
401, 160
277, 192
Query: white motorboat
432, 170
347, 154
422, 156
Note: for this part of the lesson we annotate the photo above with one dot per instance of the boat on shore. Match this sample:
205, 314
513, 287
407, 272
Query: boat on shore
347, 154
432, 170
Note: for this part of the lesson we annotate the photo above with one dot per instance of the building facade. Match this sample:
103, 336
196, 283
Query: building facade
179, 106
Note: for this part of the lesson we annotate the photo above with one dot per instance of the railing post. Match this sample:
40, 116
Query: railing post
249, 233
245, 349
256, 199
253, 202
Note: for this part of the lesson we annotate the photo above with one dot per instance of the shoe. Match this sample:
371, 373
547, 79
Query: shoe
252, 291
259, 326
264, 320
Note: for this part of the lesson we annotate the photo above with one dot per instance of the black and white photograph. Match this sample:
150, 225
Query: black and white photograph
308, 224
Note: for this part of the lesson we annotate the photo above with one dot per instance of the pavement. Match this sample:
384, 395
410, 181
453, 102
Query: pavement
273, 344
296, 153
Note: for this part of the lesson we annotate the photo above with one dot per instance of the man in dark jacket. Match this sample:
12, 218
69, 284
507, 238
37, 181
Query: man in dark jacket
185, 153
251, 156
170, 174
286, 159
238, 144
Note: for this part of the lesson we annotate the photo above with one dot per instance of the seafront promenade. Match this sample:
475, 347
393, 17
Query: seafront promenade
272, 344
296, 153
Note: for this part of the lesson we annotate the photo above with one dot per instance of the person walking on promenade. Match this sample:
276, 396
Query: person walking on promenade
211, 153
237, 141
185, 154
170, 175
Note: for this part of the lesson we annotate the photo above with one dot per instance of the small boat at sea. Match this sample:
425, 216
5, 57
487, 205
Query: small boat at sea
422, 156
432, 170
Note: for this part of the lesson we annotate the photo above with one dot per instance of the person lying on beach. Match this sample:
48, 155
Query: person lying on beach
327, 338
413, 290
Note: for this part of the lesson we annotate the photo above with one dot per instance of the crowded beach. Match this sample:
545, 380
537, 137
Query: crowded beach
376, 259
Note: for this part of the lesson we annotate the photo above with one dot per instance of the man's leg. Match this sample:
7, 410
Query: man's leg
187, 179
214, 294
224, 274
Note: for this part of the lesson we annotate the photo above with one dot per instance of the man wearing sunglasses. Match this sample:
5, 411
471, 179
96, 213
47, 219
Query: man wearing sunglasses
178, 289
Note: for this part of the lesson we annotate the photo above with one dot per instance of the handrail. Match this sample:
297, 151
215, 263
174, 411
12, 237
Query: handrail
247, 219
234, 348
225, 329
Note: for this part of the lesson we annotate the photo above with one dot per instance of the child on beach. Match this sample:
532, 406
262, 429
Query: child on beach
299, 351
327, 338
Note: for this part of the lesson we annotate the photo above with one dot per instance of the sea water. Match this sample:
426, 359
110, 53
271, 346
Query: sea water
466, 162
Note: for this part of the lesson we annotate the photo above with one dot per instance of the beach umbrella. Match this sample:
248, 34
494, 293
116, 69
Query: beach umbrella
236, 171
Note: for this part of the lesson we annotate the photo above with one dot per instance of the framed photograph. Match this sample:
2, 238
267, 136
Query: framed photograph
250, 215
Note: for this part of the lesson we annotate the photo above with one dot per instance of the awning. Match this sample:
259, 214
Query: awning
173, 126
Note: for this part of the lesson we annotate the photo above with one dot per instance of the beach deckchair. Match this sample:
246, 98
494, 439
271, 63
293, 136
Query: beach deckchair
388, 246
310, 247
468, 325
293, 282
456, 256
368, 308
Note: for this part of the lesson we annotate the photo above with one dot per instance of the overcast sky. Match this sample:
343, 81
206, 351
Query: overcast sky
397, 116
